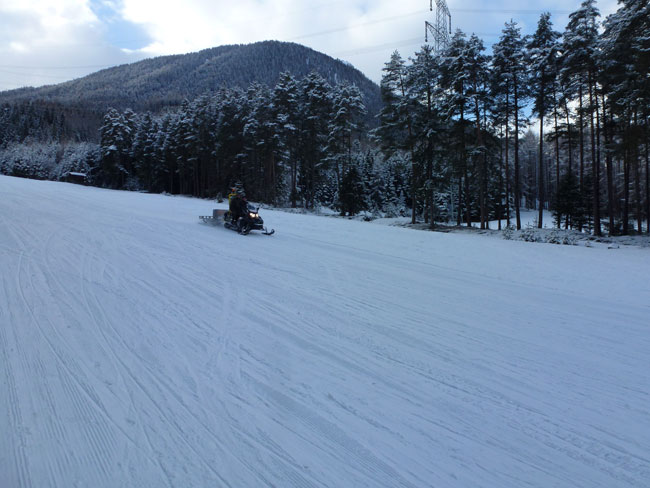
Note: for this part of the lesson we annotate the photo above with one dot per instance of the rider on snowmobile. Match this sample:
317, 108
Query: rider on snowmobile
237, 203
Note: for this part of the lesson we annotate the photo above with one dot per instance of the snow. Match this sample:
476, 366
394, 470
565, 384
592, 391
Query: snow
141, 348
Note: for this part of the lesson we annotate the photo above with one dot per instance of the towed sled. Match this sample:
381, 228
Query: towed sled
250, 221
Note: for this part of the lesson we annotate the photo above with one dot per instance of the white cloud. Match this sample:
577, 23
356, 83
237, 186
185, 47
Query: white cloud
39, 38
48, 42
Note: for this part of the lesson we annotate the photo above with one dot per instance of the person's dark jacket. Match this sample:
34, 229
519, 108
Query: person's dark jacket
238, 207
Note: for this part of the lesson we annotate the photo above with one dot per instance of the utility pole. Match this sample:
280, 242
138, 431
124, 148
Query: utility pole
441, 30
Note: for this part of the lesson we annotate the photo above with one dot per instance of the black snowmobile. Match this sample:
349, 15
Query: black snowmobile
250, 220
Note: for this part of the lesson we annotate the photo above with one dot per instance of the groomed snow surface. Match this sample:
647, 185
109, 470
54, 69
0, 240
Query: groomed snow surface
142, 348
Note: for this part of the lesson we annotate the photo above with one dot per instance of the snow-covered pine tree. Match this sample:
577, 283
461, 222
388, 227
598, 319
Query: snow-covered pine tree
579, 68
316, 111
115, 144
511, 77
141, 151
262, 142
624, 50
346, 120
423, 88
476, 66
542, 51
286, 108
455, 106
395, 131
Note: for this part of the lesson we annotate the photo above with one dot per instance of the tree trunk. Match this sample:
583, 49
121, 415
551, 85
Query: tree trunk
517, 188
483, 164
507, 162
582, 142
459, 216
637, 179
429, 187
595, 171
540, 181
501, 189
468, 217
413, 189
294, 190
626, 193
568, 129
557, 147
647, 177
610, 172
468, 214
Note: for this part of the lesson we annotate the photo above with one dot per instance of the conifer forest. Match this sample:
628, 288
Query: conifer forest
555, 121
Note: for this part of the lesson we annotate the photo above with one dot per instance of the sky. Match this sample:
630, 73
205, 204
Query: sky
48, 42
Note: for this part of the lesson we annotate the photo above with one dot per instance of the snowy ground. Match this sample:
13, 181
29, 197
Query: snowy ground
141, 348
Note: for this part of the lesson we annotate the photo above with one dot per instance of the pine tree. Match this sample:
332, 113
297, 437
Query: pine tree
428, 125
625, 60
455, 105
510, 76
542, 51
395, 131
286, 108
352, 192
392, 132
115, 144
579, 68
476, 65
315, 111
348, 111
142, 151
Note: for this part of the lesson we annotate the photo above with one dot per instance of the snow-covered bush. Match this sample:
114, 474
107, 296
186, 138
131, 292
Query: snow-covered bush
569, 239
508, 232
29, 160
533, 234
554, 237
530, 234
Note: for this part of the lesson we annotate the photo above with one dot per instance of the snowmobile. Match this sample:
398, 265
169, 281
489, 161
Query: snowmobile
251, 220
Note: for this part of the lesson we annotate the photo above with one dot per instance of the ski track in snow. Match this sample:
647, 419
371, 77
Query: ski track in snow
139, 347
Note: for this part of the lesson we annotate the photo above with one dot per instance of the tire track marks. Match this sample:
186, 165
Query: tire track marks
17, 473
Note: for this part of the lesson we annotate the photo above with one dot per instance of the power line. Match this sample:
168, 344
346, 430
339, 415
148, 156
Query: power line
508, 11
362, 24
379, 47
54, 67
53, 77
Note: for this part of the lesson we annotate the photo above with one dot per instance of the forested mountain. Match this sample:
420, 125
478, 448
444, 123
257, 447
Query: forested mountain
154, 84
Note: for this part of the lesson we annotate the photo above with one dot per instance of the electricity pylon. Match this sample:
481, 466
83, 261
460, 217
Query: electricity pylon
442, 29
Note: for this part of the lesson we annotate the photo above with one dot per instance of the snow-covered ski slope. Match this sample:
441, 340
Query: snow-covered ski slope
142, 348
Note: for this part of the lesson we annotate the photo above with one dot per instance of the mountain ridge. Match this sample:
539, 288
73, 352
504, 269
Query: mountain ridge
155, 84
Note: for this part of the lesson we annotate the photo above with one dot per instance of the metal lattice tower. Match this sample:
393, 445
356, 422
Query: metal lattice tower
442, 29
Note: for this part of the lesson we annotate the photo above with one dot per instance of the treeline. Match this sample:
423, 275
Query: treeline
460, 116
300, 143
28, 122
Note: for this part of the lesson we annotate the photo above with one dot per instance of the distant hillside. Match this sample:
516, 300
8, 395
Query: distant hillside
154, 84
